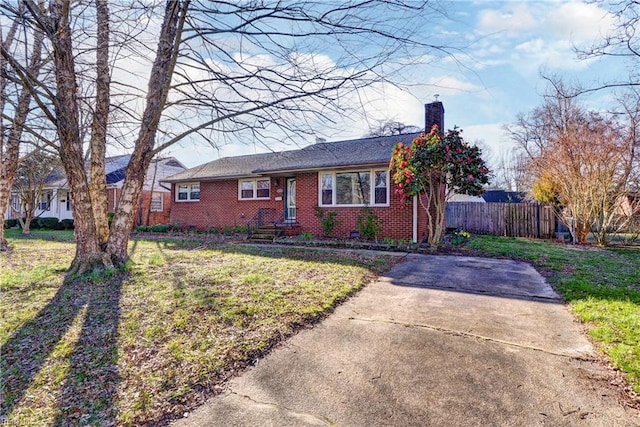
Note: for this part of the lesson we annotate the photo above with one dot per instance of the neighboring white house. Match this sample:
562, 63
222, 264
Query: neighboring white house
155, 203
465, 198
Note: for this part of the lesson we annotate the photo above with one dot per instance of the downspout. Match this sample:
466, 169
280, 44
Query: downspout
415, 219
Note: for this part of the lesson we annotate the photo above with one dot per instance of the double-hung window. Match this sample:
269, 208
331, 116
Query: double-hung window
358, 188
156, 202
188, 192
45, 201
381, 187
249, 189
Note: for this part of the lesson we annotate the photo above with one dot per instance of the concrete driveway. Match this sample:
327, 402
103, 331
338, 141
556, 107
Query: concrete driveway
438, 341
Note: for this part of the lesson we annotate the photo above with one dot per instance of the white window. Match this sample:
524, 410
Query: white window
188, 192
381, 188
156, 202
45, 201
326, 189
254, 189
358, 188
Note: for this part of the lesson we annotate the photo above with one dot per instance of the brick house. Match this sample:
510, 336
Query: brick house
154, 205
285, 188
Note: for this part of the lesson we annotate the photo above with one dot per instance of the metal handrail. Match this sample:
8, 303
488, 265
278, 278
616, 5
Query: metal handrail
262, 217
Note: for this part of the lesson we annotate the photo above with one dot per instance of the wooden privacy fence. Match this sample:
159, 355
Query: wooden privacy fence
502, 219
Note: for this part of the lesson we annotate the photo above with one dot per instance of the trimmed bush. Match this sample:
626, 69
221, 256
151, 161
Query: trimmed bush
48, 223
67, 224
160, 228
10, 223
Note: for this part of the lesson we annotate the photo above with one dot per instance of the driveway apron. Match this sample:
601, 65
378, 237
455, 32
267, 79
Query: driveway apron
437, 341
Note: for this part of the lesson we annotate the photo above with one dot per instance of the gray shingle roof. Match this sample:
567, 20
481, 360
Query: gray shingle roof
356, 152
226, 167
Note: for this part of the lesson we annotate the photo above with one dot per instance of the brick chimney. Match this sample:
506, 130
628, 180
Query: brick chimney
434, 115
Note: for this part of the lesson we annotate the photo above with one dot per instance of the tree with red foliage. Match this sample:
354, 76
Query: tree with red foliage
434, 167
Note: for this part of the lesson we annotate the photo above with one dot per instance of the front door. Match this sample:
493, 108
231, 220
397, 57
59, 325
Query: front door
290, 200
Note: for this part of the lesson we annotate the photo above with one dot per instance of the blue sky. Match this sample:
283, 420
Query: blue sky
506, 45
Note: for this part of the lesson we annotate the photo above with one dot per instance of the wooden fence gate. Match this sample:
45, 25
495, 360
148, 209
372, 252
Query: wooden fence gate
502, 219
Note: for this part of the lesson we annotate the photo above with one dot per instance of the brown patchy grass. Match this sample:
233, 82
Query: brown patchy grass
145, 345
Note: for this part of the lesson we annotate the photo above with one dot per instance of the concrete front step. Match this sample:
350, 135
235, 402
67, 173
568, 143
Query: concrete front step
271, 231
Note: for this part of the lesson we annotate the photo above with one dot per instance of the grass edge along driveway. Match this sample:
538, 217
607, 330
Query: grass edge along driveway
601, 286
145, 345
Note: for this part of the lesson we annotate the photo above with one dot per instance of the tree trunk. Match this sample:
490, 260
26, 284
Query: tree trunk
89, 255
25, 223
159, 83
582, 231
5, 195
98, 186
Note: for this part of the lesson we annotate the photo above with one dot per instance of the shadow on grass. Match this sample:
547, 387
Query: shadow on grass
87, 388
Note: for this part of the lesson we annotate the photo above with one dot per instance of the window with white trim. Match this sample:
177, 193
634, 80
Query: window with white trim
381, 187
156, 202
45, 201
249, 189
357, 188
188, 192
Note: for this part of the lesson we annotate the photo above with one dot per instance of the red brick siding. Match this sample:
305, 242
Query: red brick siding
396, 221
153, 217
164, 217
113, 195
219, 206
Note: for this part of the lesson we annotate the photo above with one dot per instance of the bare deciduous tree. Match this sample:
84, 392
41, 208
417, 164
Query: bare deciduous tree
219, 68
392, 127
621, 44
29, 183
509, 172
15, 102
580, 159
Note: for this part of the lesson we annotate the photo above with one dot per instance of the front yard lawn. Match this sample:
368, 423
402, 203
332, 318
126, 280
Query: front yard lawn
145, 345
601, 285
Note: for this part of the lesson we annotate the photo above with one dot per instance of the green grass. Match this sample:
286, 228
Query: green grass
153, 341
41, 234
601, 285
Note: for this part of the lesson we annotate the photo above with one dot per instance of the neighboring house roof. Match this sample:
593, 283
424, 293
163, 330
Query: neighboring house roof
502, 196
465, 198
56, 178
116, 168
323, 155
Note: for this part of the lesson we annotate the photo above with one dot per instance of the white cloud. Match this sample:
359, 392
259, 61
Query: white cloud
448, 85
512, 17
530, 56
491, 134
579, 22
545, 35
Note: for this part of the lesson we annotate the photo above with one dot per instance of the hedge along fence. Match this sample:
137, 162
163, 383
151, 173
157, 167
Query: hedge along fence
502, 219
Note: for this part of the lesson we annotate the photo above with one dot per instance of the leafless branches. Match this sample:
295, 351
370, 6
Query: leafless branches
582, 160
